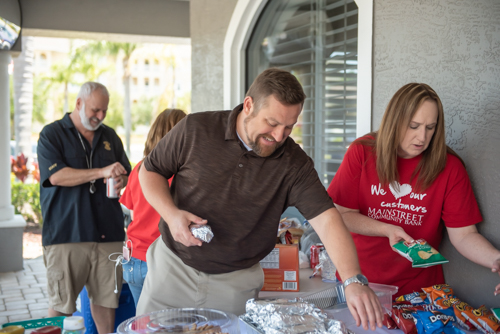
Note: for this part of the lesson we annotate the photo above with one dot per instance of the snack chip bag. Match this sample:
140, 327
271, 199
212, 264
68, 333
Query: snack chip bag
487, 319
438, 291
420, 253
435, 321
473, 316
415, 298
403, 317
388, 322
458, 307
496, 312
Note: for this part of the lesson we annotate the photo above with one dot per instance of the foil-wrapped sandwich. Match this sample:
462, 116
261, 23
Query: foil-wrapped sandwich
282, 316
201, 232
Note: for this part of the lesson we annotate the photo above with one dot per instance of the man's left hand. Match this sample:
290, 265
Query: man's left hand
364, 306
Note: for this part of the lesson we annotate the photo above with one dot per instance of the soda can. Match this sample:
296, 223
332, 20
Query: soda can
315, 250
110, 188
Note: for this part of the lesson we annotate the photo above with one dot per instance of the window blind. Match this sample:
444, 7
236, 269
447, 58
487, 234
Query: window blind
316, 40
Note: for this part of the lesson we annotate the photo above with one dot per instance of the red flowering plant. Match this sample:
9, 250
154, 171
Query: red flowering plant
36, 172
19, 167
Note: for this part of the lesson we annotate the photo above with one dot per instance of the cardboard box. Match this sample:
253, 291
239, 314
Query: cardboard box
281, 269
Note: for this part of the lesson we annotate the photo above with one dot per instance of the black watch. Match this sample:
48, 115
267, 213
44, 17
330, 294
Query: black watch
359, 278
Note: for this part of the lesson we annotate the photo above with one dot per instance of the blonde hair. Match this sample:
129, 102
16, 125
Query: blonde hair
397, 117
165, 121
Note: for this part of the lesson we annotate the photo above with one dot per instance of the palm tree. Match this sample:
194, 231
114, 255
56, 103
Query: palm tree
23, 97
66, 73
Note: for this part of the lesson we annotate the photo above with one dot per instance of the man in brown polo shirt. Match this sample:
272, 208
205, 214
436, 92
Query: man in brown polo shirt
238, 170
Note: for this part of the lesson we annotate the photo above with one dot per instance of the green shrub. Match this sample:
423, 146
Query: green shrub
26, 200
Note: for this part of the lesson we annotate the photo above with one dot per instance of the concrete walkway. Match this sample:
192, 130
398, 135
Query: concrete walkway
23, 294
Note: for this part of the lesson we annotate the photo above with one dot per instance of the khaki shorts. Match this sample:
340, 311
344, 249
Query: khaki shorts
172, 284
72, 266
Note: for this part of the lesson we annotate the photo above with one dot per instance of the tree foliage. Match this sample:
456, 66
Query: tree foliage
142, 112
114, 115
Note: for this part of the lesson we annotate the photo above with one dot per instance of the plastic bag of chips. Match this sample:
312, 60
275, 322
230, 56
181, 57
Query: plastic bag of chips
402, 314
420, 253
436, 321
415, 298
458, 307
496, 313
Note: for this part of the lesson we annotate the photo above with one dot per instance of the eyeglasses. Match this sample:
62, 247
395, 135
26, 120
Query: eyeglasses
89, 164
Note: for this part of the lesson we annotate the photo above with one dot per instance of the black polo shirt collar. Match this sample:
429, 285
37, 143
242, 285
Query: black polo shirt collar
68, 124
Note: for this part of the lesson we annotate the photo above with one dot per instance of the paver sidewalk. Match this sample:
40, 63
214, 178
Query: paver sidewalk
23, 294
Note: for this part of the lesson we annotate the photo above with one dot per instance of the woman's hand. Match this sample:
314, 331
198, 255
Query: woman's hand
396, 234
178, 225
364, 306
496, 269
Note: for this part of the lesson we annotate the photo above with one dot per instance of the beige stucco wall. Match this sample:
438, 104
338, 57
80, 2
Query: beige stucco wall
454, 46
209, 22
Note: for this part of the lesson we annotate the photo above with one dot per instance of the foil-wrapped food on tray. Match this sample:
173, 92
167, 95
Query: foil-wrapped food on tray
283, 316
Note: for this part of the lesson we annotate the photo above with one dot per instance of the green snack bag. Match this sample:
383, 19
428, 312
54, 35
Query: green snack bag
496, 312
420, 253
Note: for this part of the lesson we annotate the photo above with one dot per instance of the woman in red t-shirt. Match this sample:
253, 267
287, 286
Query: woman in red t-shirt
143, 229
399, 184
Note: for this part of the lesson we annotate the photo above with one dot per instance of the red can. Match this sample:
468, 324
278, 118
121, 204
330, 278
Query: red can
315, 250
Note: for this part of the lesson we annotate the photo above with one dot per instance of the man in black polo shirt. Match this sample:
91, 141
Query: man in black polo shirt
82, 226
238, 170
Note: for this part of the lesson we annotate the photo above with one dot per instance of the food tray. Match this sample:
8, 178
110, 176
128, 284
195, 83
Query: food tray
37, 323
334, 296
182, 320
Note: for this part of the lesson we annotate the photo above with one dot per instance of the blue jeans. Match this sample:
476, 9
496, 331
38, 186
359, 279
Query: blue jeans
134, 272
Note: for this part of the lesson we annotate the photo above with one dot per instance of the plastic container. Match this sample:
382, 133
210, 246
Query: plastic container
182, 320
334, 296
73, 325
12, 329
125, 310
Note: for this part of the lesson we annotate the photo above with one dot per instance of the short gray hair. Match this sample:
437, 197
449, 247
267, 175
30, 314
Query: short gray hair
89, 87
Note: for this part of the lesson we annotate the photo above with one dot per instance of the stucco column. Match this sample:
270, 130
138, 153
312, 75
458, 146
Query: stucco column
11, 225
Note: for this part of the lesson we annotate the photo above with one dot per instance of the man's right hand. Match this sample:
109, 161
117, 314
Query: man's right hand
178, 225
364, 306
114, 170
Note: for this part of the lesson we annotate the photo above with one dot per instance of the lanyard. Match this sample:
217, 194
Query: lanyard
89, 165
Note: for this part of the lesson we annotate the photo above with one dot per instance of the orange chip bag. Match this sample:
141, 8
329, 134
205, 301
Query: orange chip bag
438, 291
469, 314
458, 307
487, 319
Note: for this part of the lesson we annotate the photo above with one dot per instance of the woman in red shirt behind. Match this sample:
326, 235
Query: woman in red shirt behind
404, 183
143, 229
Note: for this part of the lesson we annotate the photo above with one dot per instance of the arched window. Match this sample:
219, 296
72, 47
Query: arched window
317, 41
